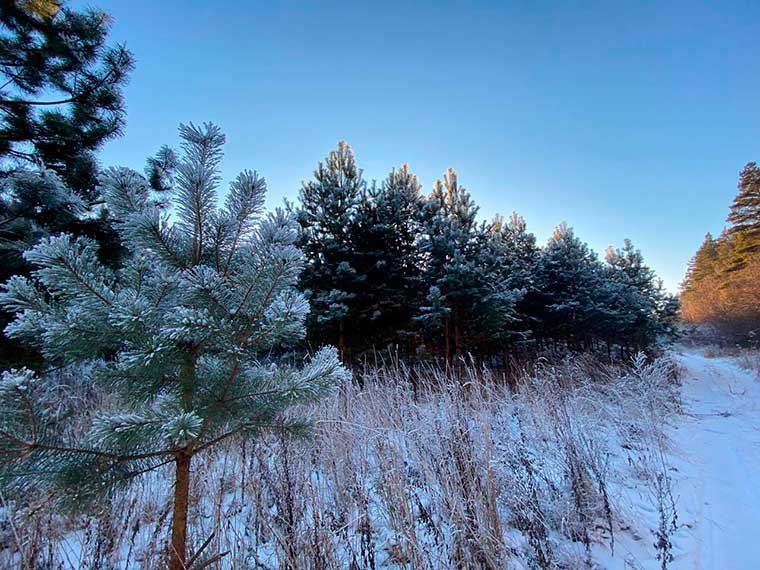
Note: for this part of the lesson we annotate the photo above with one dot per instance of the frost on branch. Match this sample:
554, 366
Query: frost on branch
184, 337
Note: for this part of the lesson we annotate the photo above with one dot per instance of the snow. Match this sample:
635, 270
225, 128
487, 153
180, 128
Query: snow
708, 455
713, 459
718, 457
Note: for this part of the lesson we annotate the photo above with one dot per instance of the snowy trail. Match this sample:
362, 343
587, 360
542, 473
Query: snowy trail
716, 454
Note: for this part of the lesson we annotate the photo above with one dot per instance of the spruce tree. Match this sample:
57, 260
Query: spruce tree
326, 211
181, 338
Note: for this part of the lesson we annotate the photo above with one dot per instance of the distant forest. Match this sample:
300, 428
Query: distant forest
722, 286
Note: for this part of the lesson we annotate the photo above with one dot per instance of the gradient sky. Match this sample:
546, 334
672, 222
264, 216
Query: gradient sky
626, 119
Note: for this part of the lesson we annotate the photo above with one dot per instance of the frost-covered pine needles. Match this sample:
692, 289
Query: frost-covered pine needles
177, 335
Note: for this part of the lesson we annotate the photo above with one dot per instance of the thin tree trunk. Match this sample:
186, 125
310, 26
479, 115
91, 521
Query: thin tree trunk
341, 340
457, 340
178, 552
447, 346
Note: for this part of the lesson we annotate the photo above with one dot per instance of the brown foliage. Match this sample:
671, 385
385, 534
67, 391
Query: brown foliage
722, 286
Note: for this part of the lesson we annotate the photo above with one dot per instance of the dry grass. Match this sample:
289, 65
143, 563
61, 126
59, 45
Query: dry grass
750, 359
414, 470
747, 358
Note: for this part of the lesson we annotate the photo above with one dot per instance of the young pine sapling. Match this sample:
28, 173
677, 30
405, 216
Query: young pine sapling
181, 337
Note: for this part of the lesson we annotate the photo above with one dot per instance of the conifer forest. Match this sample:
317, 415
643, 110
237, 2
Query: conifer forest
371, 370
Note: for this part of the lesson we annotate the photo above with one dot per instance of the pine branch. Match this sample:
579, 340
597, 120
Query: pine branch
84, 283
36, 446
73, 99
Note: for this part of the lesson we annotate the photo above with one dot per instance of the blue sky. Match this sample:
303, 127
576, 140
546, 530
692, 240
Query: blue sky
626, 119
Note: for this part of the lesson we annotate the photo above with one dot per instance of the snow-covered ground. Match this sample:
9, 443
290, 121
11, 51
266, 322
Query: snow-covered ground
717, 455
713, 459
390, 483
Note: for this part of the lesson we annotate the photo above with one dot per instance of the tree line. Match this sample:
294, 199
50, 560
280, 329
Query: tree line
388, 267
722, 285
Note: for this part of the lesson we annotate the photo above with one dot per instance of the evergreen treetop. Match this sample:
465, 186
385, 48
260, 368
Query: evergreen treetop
568, 277
744, 217
326, 212
384, 235
60, 99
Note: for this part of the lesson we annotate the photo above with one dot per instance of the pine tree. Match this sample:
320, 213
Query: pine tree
703, 265
384, 236
60, 100
669, 315
744, 217
448, 233
521, 251
636, 304
735, 289
712, 284
568, 279
721, 285
494, 317
629, 262
470, 296
61, 89
33, 205
181, 338
520, 257
327, 209
700, 296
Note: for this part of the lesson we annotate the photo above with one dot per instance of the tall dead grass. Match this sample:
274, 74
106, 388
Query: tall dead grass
411, 470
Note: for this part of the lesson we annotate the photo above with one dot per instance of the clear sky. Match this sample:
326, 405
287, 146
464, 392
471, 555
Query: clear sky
626, 119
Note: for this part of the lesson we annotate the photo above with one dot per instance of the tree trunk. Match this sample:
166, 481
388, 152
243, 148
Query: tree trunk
446, 345
341, 340
178, 548
457, 339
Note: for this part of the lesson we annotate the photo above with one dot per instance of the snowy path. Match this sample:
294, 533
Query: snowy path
713, 461
716, 451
